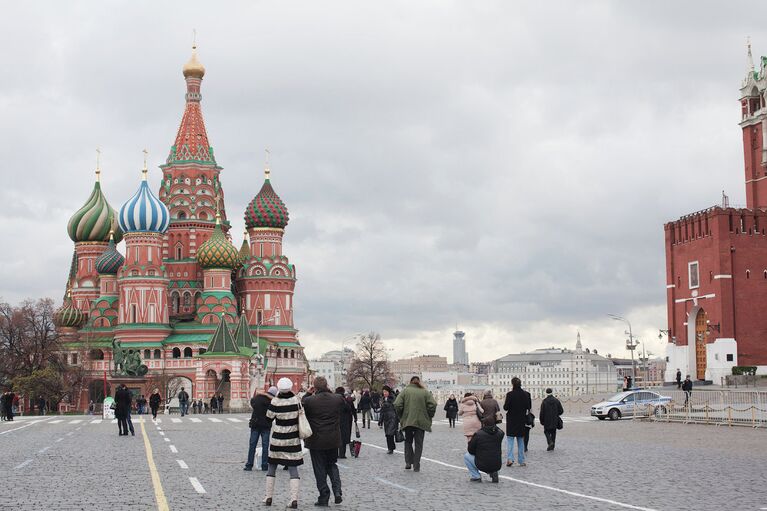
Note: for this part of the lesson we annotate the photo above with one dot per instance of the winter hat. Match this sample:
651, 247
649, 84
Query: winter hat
285, 384
273, 390
548, 391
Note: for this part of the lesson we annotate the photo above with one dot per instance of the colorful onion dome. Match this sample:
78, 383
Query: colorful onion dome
68, 315
266, 209
217, 252
110, 261
194, 68
93, 221
144, 212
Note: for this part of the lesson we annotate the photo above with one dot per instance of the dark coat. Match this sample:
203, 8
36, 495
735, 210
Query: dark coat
260, 404
551, 409
183, 397
347, 414
375, 400
451, 408
679, 376
214, 402
122, 403
365, 403
350, 401
324, 410
154, 400
516, 405
490, 406
687, 385
388, 418
485, 445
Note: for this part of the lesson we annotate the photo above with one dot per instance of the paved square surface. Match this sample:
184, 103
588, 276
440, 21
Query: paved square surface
58, 462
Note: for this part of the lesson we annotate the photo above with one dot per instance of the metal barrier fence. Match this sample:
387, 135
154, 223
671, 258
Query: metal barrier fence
719, 407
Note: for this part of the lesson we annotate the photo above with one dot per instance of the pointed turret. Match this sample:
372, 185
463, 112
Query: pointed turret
578, 346
242, 337
222, 340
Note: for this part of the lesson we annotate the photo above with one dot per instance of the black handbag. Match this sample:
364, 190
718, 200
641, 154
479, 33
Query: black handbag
399, 436
530, 420
560, 424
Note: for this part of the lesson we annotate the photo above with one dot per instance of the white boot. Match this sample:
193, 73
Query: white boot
269, 490
294, 494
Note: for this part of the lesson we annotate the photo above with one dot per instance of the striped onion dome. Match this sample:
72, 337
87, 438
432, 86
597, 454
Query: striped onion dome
110, 261
93, 221
266, 209
144, 212
68, 315
217, 252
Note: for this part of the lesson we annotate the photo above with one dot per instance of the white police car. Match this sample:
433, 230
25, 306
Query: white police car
629, 403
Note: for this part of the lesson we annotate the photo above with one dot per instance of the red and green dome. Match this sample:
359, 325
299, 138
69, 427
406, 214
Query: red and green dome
217, 252
266, 209
110, 261
68, 315
94, 220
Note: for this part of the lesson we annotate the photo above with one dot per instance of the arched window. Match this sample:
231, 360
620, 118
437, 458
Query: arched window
175, 299
292, 354
187, 352
176, 353
179, 251
203, 215
157, 354
181, 215
147, 354
279, 353
187, 299
96, 354
748, 274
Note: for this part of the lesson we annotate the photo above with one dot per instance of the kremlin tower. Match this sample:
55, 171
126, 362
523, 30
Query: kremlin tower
183, 304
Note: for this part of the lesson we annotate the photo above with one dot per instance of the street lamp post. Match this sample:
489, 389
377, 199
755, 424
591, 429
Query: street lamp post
630, 344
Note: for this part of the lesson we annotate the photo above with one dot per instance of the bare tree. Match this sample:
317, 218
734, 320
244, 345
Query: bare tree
370, 366
28, 338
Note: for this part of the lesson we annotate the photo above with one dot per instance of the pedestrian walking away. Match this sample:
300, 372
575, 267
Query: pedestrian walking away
213, 403
517, 405
550, 418
220, 402
471, 412
687, 388
41, 405
323, 410
388, 418
451, 410
183, 402
678, 379
529, 422
485, 451
122, 409
154, 402
347, 416
364, 407
415, 407
260, 427
375, 402
284, 442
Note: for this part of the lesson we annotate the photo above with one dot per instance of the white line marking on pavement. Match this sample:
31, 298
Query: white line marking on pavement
22, 464
213, 419
76, 421
173, 449
70, 433
16, 429
114, 421
96, 421
233, 419
182, 464
166, 439
197, 486
60, 439
175, 420
161, 433
56, 421
380, 480
193, 419
44, 449
535, 485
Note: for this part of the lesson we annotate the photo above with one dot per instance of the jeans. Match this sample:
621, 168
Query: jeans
413, 457
324, 465
254, 434
551, 436
184, 407
687, 394
468, 460
520, 441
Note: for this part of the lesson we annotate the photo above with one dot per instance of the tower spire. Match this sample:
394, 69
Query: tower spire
144, 171
267, 170
98, 165
750, 57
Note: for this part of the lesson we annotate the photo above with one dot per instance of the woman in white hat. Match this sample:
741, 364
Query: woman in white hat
284, 443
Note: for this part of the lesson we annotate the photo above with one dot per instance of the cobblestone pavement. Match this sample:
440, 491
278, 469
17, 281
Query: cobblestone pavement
80, 463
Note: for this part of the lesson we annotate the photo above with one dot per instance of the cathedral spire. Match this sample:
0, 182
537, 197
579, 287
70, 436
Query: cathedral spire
750, 57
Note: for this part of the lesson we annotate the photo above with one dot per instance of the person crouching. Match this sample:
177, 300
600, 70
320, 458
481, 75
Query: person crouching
485, 451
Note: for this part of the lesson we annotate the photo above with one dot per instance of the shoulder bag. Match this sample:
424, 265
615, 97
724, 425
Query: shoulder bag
399, 436
530, 420
560, 424
304, 429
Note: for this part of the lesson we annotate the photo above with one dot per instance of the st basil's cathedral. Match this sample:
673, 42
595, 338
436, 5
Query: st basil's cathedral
183, 306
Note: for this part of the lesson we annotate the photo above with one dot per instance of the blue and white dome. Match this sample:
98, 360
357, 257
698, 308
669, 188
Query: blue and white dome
144, 212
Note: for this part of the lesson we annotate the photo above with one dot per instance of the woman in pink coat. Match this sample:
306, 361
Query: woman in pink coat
468, 410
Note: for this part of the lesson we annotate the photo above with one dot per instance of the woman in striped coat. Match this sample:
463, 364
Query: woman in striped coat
284, 443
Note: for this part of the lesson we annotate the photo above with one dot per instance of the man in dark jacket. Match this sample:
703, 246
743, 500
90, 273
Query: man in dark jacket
678, 379
687, 388
485, 451
183, 402
260, 427
364, 408
323, 410
517, 405
551, 410
122, 410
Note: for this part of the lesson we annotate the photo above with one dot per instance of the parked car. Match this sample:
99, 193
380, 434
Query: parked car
625, 404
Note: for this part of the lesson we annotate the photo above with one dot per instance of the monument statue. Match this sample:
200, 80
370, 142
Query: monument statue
127, 361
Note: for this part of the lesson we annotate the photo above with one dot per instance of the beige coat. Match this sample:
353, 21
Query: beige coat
468, 410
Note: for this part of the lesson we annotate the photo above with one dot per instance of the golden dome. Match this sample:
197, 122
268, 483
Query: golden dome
193, 67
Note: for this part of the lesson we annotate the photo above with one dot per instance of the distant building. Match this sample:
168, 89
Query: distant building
480, 367
459, 348
326, 368
566, 372
340, 360
405, 368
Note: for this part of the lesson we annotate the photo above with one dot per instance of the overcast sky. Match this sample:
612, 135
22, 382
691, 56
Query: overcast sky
501, 166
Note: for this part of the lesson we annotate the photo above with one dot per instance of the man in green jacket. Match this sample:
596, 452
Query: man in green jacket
415, 407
